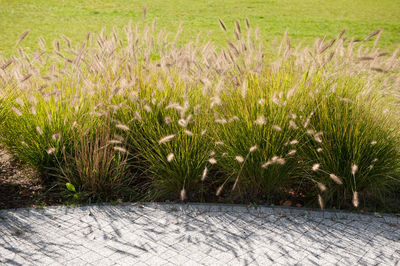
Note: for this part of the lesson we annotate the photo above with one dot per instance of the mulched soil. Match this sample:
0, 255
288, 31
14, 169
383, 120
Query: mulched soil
21, 186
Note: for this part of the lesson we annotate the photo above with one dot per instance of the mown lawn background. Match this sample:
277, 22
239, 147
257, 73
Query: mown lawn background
306, 19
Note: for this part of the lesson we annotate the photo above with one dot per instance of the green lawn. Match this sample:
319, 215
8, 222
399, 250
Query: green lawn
306, 19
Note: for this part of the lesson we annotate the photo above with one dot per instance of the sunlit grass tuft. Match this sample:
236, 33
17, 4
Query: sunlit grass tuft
148, 118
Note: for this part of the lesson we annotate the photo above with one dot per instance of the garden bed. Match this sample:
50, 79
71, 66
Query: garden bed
141, 118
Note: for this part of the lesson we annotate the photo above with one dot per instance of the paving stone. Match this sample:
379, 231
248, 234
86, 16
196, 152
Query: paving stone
195, 234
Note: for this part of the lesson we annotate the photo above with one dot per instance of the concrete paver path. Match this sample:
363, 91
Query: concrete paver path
195, 234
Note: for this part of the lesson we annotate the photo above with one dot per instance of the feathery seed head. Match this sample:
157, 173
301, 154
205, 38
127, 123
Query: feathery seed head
253, 148
315, 167
212, 161
321, 186
189, 133
354, 169
183, 194
320, 202
166, 139
20, 102
122, 127
204, 175
219, 190
56, 136
120, 149
261, 120
336, 179
16, 111
293, 125
51, 150
170, 157
240, 159
33, 110
277, 128
168, 120
39, 130
355, 199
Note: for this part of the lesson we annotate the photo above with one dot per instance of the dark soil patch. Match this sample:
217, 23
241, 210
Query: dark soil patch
21, 186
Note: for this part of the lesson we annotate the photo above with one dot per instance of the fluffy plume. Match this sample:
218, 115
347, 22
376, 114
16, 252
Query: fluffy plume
147, 108
56, 136
219, 190
189, 133
265, 165
51, 150
170, 157
182, 122
306, 123
16, 111
310, 131
33, 110
235, 184
317, 137
212, 161
240, 159
39, 130
253, 148
122, 127
120, 149
354, 169
244, 88
315, 167
320, 202
166, 139
221, 121
168, 120
277, 128
280, 161
183, 194
336, 179
321, 186
261, 120
20, 102
355, 199
204, 175
293, 125
114, 141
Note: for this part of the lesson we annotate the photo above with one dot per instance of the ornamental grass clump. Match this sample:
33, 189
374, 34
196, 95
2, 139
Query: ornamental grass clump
165, 142
256, 142
357, 149
141, 117
97, 167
